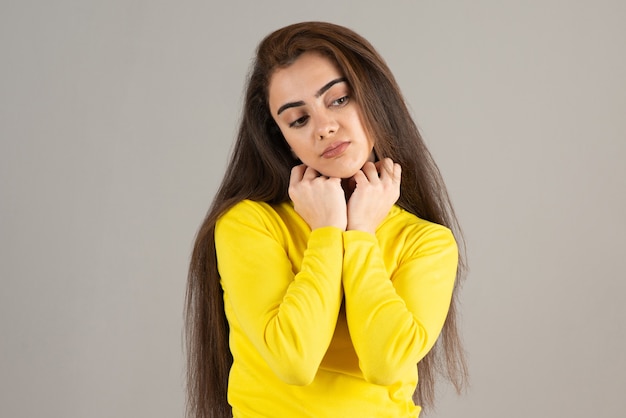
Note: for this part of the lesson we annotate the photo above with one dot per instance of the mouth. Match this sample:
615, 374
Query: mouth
335, 149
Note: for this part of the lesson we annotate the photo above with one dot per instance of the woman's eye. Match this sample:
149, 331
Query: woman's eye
298, 122
340, 101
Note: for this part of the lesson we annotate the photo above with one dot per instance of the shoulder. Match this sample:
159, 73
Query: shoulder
416, 232
255, 209
254, 214
246, 209
245, 212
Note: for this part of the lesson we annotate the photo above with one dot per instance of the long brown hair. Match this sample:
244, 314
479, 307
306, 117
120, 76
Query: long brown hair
259, 170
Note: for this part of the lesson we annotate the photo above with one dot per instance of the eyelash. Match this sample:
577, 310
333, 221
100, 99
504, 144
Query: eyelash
298, 123
301, 121
341, 101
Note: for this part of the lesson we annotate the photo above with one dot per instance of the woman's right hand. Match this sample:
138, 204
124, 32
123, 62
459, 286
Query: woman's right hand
318, 199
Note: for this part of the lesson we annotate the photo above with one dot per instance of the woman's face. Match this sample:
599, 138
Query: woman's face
311, 102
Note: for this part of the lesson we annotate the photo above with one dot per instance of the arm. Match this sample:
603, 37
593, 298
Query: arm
288, 315
394, 321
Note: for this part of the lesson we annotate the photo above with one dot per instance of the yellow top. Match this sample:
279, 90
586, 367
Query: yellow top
330, 323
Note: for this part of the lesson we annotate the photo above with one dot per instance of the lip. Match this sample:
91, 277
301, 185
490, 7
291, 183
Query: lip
335, 149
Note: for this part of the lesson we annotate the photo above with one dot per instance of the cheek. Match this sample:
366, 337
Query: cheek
301, 155
357, 121
292, 143
368, 137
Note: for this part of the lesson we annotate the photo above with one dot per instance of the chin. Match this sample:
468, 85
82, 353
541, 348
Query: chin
339, 169
343, 174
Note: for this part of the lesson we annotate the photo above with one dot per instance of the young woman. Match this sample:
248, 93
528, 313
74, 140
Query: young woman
327, 266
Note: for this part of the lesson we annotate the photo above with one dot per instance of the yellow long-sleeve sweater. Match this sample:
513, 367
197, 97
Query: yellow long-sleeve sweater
330, 323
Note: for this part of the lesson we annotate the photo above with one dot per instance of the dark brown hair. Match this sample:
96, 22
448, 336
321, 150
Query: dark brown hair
259, 170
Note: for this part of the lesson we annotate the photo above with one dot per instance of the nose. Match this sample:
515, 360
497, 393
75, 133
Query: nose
325, 124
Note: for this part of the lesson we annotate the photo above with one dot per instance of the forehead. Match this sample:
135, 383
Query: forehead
303, 78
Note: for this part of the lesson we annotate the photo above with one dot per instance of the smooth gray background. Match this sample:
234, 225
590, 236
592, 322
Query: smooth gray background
116, 119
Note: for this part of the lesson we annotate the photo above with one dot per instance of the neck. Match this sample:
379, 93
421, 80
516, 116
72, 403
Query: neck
348, 186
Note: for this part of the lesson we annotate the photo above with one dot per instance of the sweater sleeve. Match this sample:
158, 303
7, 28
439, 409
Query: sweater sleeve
287, 312
395, 320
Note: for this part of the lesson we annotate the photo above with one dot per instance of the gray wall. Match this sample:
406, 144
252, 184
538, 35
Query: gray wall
116, 118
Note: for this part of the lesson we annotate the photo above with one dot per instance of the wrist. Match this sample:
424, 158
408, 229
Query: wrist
363, 228
337, 223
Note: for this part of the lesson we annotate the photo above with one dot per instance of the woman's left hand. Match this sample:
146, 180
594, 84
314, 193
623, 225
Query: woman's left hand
377, 190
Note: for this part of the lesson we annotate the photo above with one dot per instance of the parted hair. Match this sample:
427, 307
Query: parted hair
259, 170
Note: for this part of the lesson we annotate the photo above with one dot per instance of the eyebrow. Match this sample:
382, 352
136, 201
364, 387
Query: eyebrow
321, 91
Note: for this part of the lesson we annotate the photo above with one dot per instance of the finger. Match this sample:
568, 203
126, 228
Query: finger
385, 166
296, 174
397, 172
360, 177
310, 174
369, 169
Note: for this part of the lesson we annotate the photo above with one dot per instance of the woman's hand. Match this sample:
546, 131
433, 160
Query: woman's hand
377, 190
319, 200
